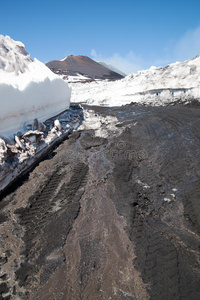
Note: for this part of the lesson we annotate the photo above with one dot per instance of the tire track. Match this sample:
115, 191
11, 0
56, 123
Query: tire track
167, 266
192, 206
162, 265
56, 204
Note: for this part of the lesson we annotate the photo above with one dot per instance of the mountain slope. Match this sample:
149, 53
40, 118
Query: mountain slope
110, 67
82, 65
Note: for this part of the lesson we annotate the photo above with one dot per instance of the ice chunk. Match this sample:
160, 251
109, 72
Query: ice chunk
57, 124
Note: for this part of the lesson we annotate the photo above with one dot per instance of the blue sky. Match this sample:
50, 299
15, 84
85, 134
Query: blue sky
129, 34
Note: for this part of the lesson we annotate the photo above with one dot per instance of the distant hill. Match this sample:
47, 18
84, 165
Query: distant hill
112, 68
82, 65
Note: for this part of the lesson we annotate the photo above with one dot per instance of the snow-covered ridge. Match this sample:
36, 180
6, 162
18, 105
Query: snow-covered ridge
28, 89
155, 86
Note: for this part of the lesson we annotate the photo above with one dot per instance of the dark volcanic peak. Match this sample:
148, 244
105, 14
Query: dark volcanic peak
83, 65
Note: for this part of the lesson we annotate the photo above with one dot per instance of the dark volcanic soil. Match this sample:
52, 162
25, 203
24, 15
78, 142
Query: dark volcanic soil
112, 217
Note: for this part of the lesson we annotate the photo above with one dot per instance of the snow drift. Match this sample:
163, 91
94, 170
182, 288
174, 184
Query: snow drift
156, 86
28, 89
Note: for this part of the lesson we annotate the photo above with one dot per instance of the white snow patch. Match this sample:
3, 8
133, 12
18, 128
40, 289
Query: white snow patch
63, 58
103, 126
168, 200
144, 185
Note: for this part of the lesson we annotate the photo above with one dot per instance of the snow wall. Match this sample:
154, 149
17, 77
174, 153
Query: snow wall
40, 100
28, 89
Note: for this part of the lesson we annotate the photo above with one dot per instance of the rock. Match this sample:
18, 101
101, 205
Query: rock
35, 124
19, 134
41, 127
57, 125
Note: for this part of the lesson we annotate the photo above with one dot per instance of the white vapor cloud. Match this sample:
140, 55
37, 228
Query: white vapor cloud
188, 46
130, 63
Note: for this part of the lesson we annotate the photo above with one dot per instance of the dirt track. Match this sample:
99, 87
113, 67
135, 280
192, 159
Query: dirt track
109, 218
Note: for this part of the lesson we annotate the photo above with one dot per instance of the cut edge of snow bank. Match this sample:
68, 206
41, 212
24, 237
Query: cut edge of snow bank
38, 100
28, 89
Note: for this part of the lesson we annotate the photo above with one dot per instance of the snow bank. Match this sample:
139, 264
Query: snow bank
156, 86
28, 89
